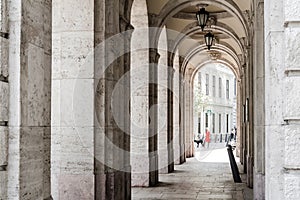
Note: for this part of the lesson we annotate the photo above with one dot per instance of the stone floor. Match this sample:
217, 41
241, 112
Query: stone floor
206, 176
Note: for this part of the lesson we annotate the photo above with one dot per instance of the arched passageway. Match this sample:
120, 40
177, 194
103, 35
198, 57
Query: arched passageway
73, 114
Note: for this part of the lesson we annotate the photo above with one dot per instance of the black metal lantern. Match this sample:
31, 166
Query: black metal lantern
202, 17
209, 38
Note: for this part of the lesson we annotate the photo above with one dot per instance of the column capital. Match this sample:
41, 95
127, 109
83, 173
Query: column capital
153, 55
152, 19
125, 24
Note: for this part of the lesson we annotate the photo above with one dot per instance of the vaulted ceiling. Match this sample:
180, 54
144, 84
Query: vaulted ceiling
228, 22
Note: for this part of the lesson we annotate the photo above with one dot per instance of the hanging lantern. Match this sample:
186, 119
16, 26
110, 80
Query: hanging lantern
209, 38
202, 17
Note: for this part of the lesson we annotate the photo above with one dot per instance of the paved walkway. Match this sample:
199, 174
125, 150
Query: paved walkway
206, 176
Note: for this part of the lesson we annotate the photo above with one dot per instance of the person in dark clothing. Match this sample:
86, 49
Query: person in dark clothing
198, 140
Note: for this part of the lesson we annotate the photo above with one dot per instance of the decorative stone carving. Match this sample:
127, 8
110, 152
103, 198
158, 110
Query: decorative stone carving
215, 55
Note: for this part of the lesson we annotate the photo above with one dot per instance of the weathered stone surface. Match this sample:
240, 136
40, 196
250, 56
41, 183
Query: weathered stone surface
82, 186
274, 19
4, 56
292, 139
3, 146
3, 16
291, 101
4, 96
292, 186
292, 35
13, 184
73, 106
72, 16
72, 157
3, 161
36, 103
274, 162
31, 163
70, 54
259, 186
291, 10
3, 185
274, 78
33, 22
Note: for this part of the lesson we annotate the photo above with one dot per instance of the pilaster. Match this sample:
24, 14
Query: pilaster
274, 87
29, 69
258, 99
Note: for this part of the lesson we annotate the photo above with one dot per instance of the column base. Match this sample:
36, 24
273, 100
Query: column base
250, 167
259, 186
118, 186
171, 160
153, 174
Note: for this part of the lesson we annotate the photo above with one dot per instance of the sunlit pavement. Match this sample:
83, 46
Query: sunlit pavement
206, 176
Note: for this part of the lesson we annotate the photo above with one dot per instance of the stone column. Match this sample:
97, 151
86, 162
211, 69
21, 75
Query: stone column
73, 80
249, 122
139, 150
275, 126
117, 110
176, 111
153, 116
4, 98
144, 157
112, 68
188, 116
99, 131
170, 108
163, 157
182, 112
259, 98
239, 112
29, 99
165, 117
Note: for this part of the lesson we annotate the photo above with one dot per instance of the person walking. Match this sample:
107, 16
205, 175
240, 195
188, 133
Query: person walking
207, 137
198, 140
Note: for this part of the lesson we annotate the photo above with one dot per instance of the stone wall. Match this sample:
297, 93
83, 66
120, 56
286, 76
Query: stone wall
4, 98
282, 21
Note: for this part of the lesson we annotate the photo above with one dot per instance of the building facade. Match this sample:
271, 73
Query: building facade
215, 94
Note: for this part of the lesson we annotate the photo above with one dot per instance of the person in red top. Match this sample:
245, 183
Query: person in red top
207, 137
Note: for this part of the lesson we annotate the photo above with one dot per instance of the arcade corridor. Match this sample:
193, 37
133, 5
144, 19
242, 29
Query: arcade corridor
206, 176
96, 98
